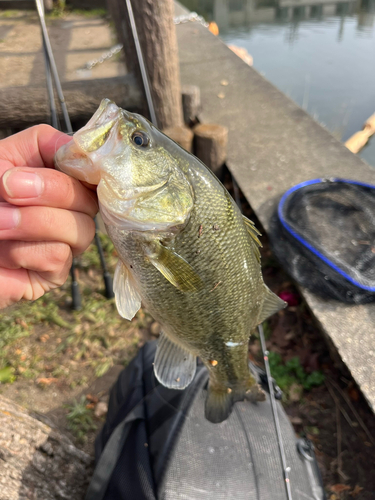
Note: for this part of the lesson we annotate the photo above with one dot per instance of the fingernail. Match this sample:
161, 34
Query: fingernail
9, 217
20, 184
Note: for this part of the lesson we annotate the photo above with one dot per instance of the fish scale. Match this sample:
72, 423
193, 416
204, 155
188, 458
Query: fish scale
185, 251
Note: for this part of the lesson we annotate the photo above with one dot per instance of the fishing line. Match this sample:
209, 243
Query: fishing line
51, 71
141, 62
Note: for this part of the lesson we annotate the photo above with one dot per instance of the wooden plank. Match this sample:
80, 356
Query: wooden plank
23, 106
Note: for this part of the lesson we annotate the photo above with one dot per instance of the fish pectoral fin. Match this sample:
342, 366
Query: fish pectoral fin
128, 300
254, 233
174, 366
271, 304
175, 269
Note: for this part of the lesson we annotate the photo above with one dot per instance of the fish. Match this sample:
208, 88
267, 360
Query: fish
185, 250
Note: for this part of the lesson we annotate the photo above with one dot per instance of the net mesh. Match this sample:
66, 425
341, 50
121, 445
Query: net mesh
324, 235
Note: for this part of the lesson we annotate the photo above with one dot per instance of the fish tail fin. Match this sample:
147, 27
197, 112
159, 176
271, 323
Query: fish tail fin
220, 399
219, 404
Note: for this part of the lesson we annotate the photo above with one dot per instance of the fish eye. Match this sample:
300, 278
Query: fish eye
139, 138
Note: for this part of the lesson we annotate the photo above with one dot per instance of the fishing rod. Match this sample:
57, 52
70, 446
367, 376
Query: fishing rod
51, 71
270, 383
141, 62
286, 468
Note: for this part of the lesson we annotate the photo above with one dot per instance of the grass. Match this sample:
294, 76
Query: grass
61, 9
10, 13
47, 339
291, 377
80, 419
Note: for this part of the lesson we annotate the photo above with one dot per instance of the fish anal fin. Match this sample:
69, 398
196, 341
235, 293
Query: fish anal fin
174, 366
128, 300
174, 268
271, 304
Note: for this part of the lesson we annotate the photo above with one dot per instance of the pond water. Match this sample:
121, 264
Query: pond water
318, 52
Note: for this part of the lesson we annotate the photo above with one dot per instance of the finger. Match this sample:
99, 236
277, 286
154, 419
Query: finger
41, 256
46, 224
31, 269
46, 187
35, 147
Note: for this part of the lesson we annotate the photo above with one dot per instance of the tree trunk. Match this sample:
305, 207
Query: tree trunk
157, 36
37, 462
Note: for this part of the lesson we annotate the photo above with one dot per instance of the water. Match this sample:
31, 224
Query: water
319, 53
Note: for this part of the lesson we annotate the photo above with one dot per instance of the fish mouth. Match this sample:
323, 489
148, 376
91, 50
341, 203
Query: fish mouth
107, 111
73, 158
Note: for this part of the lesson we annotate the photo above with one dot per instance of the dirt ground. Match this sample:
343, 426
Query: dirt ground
76, 38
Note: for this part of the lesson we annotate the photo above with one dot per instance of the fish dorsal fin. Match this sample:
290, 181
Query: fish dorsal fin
254, 233
174, 366
271, 304
128, 300
174, 268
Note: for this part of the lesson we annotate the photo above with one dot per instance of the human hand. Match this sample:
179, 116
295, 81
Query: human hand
46, 217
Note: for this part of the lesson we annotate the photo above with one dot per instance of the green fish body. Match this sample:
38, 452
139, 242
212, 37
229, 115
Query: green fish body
186, 252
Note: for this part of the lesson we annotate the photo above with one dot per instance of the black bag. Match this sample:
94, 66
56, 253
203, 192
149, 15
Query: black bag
323, 233
157, 445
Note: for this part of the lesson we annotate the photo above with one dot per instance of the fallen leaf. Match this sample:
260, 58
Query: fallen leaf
353, 393
339, 488
101, 409
295, 392
92, 398
46, 381
296, 420
356, 491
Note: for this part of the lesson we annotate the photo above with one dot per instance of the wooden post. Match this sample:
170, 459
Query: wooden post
182, 135
157, 36
210, 142
191, 102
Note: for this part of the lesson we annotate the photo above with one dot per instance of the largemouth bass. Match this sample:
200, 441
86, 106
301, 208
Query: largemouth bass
185, 251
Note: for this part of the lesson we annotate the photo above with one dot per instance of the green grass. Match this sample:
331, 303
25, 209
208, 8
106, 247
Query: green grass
47, 333
90, 12
10, 13
80, 419
291, 375
61, 9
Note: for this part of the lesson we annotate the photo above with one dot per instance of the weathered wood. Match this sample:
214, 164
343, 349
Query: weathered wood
359, 140
191, 102
182, 135
157, 36
37, 461
22, 106
210, 143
